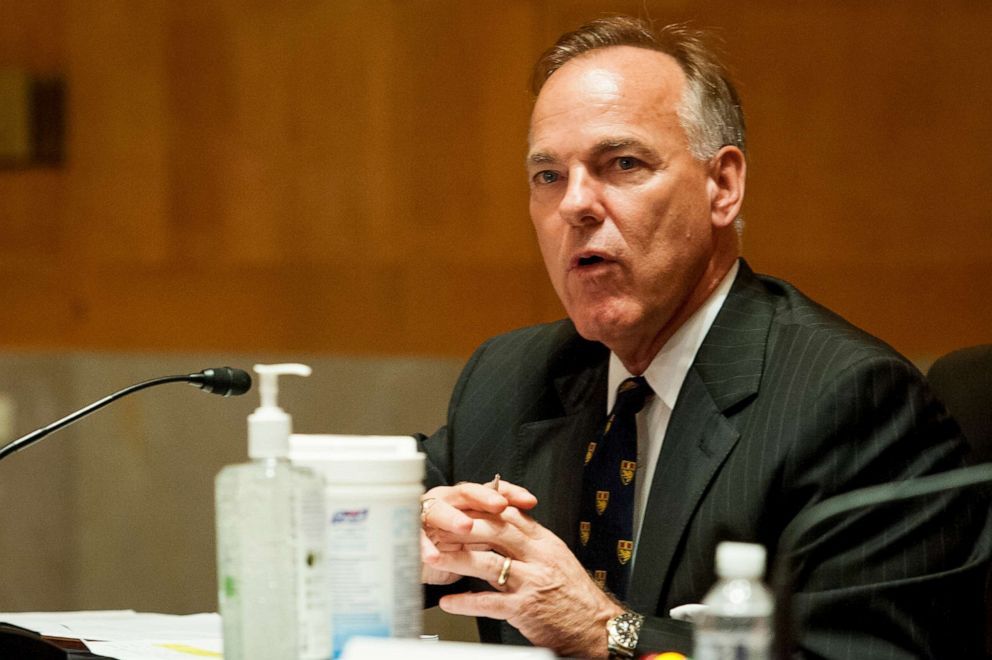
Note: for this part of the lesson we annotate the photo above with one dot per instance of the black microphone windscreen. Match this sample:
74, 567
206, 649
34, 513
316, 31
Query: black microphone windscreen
225, 381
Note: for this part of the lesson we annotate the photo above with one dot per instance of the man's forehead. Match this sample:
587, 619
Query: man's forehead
614, 70
611, 88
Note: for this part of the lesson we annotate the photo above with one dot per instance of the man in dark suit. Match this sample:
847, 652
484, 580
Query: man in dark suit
761, 402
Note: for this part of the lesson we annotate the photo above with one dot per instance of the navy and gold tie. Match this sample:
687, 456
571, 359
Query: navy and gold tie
606, 520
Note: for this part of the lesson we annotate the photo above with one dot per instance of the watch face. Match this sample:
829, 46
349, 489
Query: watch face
624, 630
626, 634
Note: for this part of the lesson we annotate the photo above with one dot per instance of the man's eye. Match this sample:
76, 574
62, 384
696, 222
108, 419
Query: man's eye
626, 162
547, 176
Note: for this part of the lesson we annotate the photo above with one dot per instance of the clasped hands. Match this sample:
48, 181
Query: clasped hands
483, 531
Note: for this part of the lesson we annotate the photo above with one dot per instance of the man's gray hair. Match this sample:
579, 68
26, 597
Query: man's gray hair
710, 110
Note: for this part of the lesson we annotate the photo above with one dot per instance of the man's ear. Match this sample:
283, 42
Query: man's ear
727, 171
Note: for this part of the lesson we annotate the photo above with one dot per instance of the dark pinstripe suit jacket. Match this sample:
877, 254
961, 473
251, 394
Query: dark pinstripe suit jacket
786, 404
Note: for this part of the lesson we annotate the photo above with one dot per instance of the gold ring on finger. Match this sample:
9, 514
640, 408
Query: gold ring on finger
504, 573
425, 507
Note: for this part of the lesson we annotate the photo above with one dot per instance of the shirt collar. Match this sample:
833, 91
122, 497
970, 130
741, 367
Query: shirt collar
669, 367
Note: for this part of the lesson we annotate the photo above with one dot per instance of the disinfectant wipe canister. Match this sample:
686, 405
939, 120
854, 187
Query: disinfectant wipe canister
373, 486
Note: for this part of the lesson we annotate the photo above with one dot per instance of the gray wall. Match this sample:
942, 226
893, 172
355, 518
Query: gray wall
116, 511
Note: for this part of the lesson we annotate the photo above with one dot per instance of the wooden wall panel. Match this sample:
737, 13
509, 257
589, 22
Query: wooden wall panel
31, 38
880, 211
345, 176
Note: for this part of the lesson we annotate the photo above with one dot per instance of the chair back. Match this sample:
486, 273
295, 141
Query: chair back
962, 379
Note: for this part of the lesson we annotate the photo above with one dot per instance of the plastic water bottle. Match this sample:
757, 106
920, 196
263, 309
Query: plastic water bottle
737, 622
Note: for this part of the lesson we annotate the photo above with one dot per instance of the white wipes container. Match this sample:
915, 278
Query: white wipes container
373, 486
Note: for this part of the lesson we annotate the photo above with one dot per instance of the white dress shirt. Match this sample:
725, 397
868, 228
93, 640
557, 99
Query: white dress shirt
665, 375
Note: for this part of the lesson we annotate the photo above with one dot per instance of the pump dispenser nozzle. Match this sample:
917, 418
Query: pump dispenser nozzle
269, 426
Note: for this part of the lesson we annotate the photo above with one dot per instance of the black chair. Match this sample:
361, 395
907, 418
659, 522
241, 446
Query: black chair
963, 381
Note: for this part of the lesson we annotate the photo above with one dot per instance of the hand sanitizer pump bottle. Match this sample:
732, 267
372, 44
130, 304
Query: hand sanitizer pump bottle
270, 542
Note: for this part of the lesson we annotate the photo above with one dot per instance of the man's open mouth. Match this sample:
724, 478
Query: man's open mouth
590, 260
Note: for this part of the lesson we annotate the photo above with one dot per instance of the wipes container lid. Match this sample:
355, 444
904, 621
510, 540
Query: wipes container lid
359, 459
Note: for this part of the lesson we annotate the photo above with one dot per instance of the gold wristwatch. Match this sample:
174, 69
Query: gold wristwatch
622, 632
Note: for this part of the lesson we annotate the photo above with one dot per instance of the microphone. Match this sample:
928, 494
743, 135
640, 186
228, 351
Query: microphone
225, 381
784, 581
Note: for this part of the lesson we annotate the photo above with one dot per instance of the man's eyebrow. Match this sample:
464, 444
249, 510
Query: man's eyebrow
541, 158
606, 146
600, 148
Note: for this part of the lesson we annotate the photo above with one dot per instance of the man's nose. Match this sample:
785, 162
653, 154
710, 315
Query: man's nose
582, 202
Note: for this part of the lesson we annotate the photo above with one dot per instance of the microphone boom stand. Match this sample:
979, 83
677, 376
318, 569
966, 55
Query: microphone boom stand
224, 381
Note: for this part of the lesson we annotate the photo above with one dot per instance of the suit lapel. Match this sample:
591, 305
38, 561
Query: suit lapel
549, 452
725, 374
697, 441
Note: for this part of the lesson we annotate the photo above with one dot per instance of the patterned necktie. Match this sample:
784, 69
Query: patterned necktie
606, 520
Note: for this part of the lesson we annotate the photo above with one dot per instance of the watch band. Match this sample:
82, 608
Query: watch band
622, 632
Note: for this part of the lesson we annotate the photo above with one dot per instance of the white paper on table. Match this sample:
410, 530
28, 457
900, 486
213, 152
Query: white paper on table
142, 627
129, 635
56, 624
160, 650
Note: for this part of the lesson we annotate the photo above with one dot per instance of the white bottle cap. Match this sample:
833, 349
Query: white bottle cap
740, 560
269, 426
